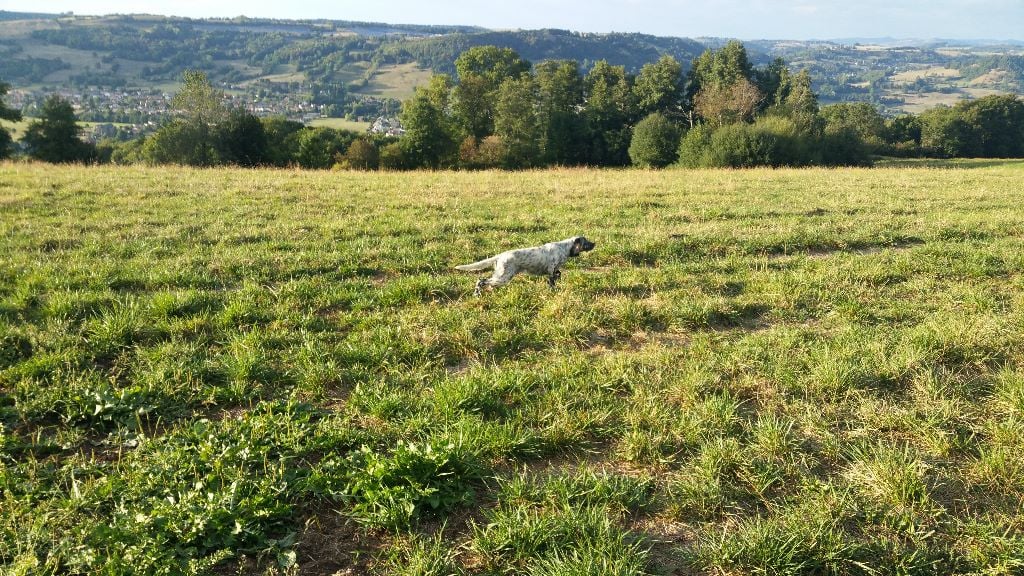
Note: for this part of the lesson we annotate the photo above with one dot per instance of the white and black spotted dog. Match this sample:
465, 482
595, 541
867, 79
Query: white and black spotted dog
545, 260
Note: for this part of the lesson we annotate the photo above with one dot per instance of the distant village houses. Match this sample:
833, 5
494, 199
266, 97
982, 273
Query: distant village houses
387, 126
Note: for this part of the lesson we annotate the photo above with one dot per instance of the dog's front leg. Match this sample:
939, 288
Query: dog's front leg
554, 277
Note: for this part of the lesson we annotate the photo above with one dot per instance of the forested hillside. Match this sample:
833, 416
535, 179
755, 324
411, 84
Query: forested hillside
631, 51
124, 68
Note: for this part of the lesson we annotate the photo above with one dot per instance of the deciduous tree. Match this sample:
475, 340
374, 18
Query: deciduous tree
904, 129
198, 102
801, 104
473, 107
481, 71
996, 125
860, 117
659, 88
492, 64
515, 121
241, 140
722, 88
609, 111
773, 82
722, 104
180, 142
428, 140
438, 91
560, 100
282, 140
191, 137
719, 68
361, 155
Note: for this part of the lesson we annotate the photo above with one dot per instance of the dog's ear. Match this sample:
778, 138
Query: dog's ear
577, 246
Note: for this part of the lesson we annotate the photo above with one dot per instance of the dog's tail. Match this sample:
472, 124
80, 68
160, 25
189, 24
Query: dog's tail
481, 265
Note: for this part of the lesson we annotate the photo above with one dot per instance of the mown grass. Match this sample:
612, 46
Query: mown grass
766, 371
340, 124
15, 129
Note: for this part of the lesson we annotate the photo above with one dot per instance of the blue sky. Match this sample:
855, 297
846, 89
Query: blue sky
750, 19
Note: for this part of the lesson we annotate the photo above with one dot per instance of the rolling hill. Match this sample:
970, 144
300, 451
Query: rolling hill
123, 67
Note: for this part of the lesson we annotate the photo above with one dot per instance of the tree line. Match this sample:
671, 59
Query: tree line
501, 111
498, 111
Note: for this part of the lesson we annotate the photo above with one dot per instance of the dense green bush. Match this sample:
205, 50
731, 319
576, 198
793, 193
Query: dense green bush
361, 155
490, 152
861, 118
693, 145
844, 147
739, 146
392, 157
130, 152
990, 127
182, 143
770, 141
655, 142
318, 147
282, 139
242, 141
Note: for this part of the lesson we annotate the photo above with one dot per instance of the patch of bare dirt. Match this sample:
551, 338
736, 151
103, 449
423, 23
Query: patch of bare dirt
668, 541
332, 545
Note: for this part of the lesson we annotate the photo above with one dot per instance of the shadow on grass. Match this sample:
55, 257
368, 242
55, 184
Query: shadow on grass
745, 316
58, 245
638, 291
961, 163
682, 248
729, 288
820, 248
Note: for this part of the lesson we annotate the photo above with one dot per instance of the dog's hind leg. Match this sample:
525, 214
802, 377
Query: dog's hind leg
502, 275
480, 284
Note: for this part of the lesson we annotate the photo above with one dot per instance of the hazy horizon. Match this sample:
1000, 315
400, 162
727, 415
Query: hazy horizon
751, 20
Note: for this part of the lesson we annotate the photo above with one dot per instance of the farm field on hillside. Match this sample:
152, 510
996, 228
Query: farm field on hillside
15, 129
760, 371
340, 124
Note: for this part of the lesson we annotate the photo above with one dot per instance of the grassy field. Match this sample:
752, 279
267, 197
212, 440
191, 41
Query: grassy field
15, 129
397, 81
340, 124
755, 372
909, 76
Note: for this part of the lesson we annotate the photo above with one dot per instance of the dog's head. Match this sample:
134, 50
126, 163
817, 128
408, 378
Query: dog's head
580, 244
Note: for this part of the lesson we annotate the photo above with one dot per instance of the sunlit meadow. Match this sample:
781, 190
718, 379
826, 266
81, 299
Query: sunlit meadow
755, 372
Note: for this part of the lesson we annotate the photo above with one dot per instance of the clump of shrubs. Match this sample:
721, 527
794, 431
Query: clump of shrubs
770, 141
